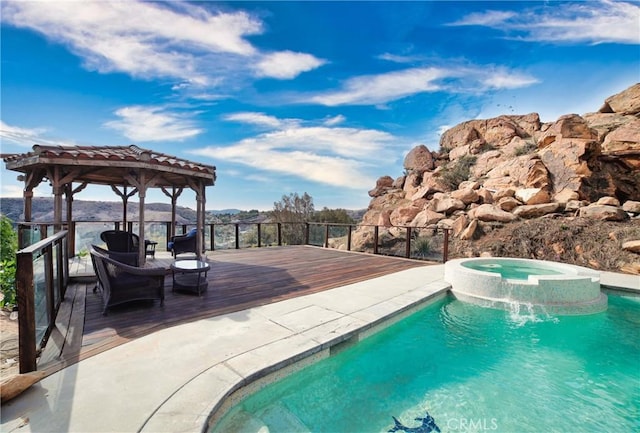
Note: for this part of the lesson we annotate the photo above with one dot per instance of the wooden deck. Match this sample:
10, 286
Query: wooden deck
238, 279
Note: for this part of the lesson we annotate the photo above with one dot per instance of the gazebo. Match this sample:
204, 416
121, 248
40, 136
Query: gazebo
128, 170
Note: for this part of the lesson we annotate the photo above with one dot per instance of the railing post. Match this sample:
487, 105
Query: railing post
375, 239
212, 236
117, 225
445, 247
408, 246
237, 236
167, 233
326, 236
130, 226
279, 234
71, 240
349, 238
49, 286
306, 234
27, 316
259, 235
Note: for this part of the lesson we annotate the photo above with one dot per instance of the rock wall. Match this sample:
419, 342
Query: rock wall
515, 167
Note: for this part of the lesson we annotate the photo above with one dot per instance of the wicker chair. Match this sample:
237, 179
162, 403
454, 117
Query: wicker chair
126, 242
121, 241
120, 283
184, 243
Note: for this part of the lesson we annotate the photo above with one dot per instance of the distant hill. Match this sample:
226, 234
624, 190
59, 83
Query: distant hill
84, 210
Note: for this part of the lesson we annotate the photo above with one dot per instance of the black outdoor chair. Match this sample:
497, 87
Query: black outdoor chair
120, 283
121, 241
126, 242
186, 243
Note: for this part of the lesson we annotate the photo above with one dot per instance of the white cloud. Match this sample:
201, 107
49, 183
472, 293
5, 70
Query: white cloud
260, 119
12, 191
286, 64
500, 78
335, 120
189, 43
21, 136
488, 18
591, 22
27, 137
391, 86
327, 155
382, 88
153, 123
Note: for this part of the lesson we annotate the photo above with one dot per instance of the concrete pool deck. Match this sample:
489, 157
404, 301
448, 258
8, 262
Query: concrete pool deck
172, 380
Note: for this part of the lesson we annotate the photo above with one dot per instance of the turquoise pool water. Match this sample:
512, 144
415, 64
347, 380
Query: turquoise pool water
472, 369
514, 270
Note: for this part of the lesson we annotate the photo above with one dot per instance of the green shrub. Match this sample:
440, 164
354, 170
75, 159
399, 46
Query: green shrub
422, 247
8, 248
455, 173
530, 146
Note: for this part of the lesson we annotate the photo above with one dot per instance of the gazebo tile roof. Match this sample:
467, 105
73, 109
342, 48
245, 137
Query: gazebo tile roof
60, 155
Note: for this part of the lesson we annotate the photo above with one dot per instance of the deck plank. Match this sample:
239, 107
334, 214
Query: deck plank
238, 279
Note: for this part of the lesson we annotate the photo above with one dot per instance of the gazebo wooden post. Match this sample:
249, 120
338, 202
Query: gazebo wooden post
173, 195
142, 183
198, 187
125, 200
69, 192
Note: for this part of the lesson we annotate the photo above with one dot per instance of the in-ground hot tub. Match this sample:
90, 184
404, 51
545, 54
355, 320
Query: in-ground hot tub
543, 286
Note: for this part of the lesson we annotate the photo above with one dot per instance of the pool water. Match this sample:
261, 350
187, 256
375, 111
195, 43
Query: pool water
472, 369
517, 271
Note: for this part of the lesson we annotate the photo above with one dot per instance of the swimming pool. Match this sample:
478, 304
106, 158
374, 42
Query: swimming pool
472, 369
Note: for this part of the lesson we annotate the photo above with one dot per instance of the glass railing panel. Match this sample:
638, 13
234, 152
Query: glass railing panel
427, 244
88, 233
362, 239
224, 236
316, 234
248, 235
56, 275
392, 241
269, 235
41, 309
293, 233
338, 237
155, 232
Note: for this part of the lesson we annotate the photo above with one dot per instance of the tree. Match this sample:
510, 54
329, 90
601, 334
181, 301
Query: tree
336, 216
294, 210
8, 248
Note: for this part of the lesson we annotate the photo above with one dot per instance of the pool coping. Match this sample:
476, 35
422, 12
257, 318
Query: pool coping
175, 379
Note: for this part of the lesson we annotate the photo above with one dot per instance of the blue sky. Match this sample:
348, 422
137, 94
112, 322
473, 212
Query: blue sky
283, 97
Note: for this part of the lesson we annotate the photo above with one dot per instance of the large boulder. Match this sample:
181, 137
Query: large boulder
567, 126
488, 212
532, 196
419, 159
383, 184
466, 195
624, 142
567, 161
426, 217
447, 205
631, 206
493, 133
402, 216
603, 212
625, 102
536, 210
524, 171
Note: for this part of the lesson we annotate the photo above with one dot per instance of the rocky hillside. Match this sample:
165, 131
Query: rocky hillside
491, 176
